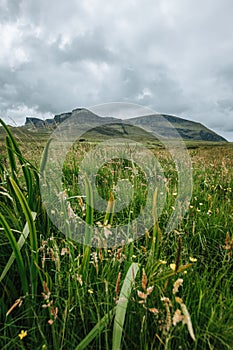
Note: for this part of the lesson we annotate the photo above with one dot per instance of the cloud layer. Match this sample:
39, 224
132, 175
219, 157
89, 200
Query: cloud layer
172, 56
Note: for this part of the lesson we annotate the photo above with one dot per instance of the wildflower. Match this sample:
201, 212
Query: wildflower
176, 285
117, 289
90, 291
149, 290
154, 310
94, 258
22, 334
177, 317
47, 293
167, 304
99, 224
166, 300
54, 312
142, 295
144, 279
65, 251
18, 303
192, 259
163, 262
79, 279
173, 267
187, 318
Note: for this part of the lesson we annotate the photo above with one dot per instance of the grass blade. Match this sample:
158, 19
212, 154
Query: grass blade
122, 306
32, 233
88, 229
13, 141
14, 148
20, 243
16, 252
11, 156
99, 327
45, 157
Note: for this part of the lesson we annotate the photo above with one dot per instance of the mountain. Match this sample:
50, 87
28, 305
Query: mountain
143, 127
188, 130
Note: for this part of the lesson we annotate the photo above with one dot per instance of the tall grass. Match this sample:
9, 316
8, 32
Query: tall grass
161, 291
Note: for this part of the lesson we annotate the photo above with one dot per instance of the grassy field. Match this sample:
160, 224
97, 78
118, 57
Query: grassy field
162, 291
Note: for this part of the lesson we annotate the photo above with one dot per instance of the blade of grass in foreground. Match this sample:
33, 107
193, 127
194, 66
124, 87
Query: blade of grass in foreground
17, 253
88, 229
14, 149
20, 243
32, 234
28, 215
120, 310
122, 306
99, 327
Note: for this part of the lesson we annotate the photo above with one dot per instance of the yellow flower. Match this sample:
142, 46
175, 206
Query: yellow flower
192, 259
173, 267
22, 334
163, 262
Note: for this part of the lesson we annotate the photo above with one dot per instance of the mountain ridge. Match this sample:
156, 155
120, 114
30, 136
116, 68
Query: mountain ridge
158, 124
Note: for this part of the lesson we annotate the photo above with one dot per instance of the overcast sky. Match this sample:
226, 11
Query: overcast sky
175, 57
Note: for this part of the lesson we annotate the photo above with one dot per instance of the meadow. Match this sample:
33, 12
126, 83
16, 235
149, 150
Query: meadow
163, 290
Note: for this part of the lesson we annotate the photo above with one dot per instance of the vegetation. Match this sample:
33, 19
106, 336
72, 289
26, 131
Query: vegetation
161, 291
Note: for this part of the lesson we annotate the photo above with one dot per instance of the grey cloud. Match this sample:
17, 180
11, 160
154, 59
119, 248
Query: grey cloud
170, 56
89, 46
9, 10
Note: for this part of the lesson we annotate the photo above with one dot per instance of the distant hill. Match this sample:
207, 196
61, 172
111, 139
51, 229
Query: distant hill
143, 127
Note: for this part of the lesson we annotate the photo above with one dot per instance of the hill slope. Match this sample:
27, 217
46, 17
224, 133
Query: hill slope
145, 127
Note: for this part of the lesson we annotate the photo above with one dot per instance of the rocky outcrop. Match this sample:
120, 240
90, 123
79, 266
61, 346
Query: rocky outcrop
59, 118
35, 122
52, 122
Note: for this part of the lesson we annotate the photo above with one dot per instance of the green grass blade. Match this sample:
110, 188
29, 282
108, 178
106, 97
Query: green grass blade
99, 327
32, 233
28, 215
88, 229
89, 212
15, 148
20, 243
11, 137
11, 156
45, 157
16, 252
122, 306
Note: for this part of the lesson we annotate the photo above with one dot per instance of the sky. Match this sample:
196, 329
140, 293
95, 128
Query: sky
175, 57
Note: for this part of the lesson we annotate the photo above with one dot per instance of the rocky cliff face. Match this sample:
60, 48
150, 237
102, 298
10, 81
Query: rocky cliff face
34, 122
59, 118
